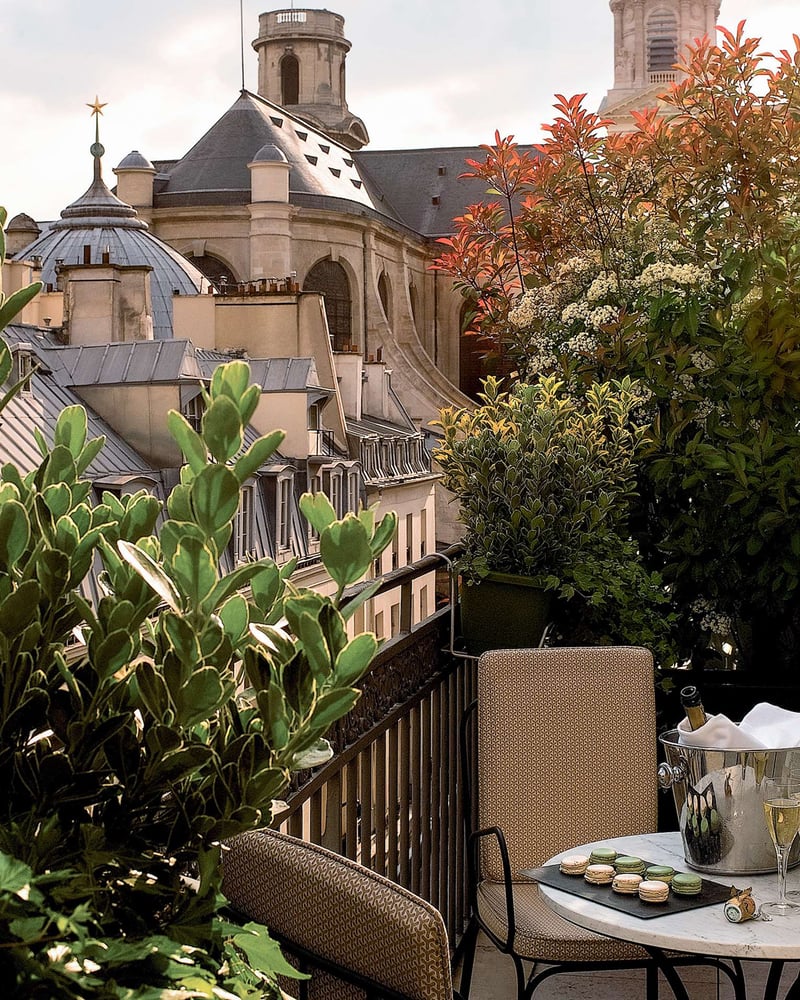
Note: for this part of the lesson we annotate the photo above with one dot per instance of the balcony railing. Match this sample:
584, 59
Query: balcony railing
391, 796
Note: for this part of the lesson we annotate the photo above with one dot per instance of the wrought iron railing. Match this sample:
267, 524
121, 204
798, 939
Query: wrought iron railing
391, 797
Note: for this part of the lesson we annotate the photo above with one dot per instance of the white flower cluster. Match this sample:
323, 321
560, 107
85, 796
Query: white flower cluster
582, 343
702, 361
711, 619
702, 409
576, 311
598, 317
682, 275
604, 284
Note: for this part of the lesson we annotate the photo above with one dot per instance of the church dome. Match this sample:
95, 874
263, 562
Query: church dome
99, 221
134, 161
269, 153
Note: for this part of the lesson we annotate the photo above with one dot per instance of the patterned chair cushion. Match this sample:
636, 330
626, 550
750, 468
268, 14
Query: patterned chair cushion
566, 749
544, 936
340, 911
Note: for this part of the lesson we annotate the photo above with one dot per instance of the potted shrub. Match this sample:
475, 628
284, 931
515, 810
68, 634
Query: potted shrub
178, 722
544, 478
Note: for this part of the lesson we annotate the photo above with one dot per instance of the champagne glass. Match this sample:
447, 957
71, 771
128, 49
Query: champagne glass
782, 813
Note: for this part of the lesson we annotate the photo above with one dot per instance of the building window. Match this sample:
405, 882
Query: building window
662, 42
413, 296
243, 526
383, 295
423, 532
379, 633
290, 80
193, 411
394, 620
423, 603
336, 494
329, 279
377, 567
24, 371
395, 551
409, 539
284, 519
353, 490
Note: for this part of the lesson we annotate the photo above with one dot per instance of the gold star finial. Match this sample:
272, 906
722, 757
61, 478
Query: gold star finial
97, 107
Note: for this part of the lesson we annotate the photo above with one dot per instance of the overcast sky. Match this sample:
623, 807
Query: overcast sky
420, 73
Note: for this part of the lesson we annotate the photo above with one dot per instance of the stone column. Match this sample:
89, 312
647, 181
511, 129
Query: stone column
640, 55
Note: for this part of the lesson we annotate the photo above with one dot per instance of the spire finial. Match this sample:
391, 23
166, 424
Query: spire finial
96, 149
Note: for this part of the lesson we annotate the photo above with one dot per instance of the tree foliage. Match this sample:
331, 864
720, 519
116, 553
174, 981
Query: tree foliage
670, 254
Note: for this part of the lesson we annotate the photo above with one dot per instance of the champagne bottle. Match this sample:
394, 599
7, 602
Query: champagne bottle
693, 706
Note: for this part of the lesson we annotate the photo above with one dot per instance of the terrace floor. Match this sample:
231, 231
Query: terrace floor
493, 979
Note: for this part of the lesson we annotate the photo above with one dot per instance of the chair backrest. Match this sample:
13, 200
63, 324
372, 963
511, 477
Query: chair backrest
341, 912
566, 749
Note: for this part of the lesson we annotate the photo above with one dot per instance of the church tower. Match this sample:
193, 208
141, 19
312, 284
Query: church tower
301, 67
649, 36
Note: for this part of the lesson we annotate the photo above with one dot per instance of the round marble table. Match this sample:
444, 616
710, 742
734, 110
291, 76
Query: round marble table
703, 931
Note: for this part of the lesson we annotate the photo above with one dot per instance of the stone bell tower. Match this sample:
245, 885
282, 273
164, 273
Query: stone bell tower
301, 67
649, 36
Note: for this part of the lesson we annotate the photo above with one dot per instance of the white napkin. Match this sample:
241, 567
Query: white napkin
765, 727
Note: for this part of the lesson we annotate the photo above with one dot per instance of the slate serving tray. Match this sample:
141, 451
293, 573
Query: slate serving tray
711, 893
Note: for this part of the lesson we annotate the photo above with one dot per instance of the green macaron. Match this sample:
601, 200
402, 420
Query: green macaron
686, 884
602, 856
625, 864
660, 873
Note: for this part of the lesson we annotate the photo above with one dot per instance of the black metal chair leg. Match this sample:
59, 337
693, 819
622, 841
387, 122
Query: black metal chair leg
519, 968
468, 957
651, 981
774, 981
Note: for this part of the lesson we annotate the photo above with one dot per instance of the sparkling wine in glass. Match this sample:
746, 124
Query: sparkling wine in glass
783, 821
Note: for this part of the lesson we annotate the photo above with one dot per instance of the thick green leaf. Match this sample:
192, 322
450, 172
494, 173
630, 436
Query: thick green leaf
151, 573
384, 533
355, 659
349, 609
52, 572
333, 706
71, 429
318, 511
222, 429
202, 694
188, 440
195, 572
58, 498
112, 653
256, 455
15, 532
215, 497
235, 617
264, 953
17, 301
346, 551
89, 453
231, 379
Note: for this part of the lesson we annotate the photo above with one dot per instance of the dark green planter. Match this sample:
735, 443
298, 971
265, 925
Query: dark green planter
503, 612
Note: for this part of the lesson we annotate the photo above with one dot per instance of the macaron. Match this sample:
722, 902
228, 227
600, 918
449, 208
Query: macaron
626, 864
663, 873
653, 891
599, 874
686, 884
574, 864
602, 856
626, 884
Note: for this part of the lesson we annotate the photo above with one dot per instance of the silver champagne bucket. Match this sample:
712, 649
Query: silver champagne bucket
719, 797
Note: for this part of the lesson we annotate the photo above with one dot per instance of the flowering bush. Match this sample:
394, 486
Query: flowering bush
672, 255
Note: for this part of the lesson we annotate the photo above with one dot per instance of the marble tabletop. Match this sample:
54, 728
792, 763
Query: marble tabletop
703, 931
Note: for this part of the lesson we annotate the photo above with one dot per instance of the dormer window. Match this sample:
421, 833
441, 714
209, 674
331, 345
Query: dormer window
23, 369
193, 411
242, 536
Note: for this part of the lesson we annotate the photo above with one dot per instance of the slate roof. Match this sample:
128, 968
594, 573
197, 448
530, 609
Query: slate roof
423, 186
129, 363
270, 374
214, 171
51, 393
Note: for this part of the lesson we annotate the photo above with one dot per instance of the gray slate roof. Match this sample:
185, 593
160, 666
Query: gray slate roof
270, 374
214, 171
129, 363
51, 393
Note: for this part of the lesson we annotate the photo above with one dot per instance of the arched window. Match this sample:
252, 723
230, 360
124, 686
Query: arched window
413, 296
385, 296
217, 272
330, 280
290, 80
662, 41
